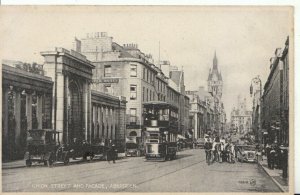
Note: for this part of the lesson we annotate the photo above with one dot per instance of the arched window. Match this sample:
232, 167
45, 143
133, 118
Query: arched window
132, 133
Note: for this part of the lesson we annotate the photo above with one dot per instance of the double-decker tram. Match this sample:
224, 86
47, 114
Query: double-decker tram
161, 128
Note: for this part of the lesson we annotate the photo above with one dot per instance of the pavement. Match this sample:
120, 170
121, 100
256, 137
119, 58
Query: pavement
276, 175
21, 163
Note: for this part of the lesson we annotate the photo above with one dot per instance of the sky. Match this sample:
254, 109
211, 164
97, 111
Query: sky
244, 38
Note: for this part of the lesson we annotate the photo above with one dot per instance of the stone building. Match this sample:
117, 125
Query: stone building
275, 98
202, 112
241, 117
57, 96
26, 104
215, 87
127, 71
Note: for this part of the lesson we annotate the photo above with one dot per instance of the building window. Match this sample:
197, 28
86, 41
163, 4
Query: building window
133, 92
144, 72
147, 95
133, 70
150, 95
107, 88
148, 72
143, 94
132, 115
107, 71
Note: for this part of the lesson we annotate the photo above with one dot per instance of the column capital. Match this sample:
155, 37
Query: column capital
18, 89
39, 93
29, 91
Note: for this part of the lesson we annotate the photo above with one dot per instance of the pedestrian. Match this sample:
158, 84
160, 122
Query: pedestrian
111, 152
277, 156
268, 149
272, 157
208, 147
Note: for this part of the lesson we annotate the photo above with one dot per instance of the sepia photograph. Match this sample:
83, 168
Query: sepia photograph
147, 99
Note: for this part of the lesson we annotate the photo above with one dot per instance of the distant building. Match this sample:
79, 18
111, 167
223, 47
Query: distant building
214, 81
241, 117
215, 87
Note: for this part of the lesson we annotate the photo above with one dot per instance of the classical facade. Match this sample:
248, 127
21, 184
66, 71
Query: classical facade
241, 117
57, 95
26, 104
275, 99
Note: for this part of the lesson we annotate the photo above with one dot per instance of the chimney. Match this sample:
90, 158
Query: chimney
77, 45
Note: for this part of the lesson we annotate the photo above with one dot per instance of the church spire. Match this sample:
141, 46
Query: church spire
215, 62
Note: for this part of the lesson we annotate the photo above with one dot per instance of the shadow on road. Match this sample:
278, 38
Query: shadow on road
180, 156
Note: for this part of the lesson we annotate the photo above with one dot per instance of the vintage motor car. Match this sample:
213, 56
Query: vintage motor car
133, 149
82, 149
43, 146
246, 153
200, 142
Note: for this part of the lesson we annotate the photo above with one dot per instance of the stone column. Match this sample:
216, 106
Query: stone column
114, 123
29, 108
99, 121
109, 123
94, 121
85, 110
196, 125
39, 110
66, 111
17, 113
5, 91
105, 121
60, 104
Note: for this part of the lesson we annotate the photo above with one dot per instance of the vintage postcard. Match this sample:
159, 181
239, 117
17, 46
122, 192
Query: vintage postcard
147, 98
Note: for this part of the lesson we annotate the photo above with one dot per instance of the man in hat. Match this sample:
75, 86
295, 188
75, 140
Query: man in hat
208, 148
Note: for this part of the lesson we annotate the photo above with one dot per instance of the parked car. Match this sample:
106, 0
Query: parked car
83, 149
43, 146
133, 149
246, 153
200, 142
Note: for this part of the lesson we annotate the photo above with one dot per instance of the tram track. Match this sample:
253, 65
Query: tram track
169, 173
83, 173
143, 171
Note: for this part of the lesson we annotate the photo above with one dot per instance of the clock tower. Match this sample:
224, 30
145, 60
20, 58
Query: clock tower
214, 81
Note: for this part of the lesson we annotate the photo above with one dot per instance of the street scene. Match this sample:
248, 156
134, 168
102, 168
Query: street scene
184, 105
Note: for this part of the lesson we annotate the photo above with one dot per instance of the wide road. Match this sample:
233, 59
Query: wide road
188, 173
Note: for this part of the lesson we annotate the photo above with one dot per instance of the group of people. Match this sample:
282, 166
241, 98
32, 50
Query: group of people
219, 150
276, 157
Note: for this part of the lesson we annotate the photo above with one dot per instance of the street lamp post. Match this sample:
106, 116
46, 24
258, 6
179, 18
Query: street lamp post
256, 80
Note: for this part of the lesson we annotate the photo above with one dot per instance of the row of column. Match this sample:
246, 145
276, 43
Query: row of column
105, 122
12, 121
199, 125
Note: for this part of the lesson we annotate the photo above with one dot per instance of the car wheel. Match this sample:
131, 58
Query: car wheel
49, 162
66, 161
92, 157
28, 163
